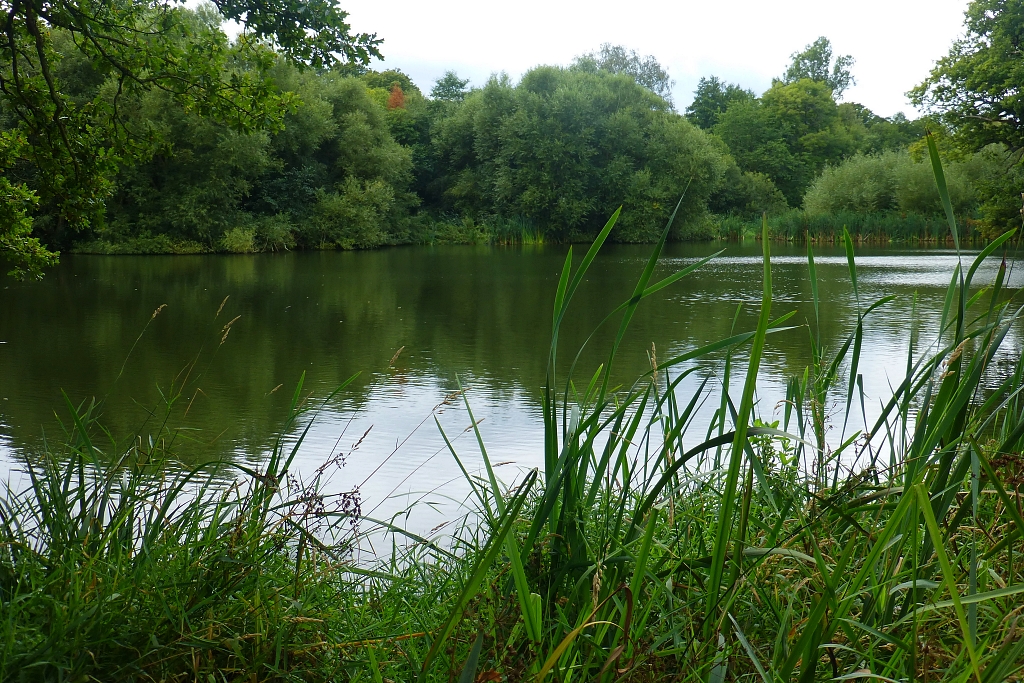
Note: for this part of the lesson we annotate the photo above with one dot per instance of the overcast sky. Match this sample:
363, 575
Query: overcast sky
895, 42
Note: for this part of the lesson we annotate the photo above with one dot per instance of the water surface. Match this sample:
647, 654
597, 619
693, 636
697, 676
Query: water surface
415, 323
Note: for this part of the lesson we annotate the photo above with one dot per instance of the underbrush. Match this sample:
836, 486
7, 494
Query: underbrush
644, 550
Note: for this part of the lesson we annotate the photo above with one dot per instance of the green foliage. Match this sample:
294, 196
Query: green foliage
333, 176
789, 134
28, 255
194, 187
893, 181
564, 147
72, 74
616, 59
817, 64
861, 183
712, 97
746, 194
239, 240
267, 156
1001, 191
975, 89
310, 32
450, 88
351, 216
875, 133
384, 80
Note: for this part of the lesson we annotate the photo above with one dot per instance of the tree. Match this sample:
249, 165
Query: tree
616, 59
565, 147
388, 79
712, 97
64, 150
976, 91
875, 133
450, 88
977, 88
817, 64
396, 97
332, 176
790, 134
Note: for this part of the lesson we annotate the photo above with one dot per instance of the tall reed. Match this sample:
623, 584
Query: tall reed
651, 553
799, 549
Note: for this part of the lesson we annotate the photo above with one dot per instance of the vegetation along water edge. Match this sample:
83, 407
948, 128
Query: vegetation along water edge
640, 551
146, 129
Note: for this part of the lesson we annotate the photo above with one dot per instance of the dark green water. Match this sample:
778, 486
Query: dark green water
477, 313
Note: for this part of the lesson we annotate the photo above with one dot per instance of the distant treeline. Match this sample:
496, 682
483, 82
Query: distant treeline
364, 158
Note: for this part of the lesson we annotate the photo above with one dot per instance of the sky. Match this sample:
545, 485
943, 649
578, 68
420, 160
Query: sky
894, 42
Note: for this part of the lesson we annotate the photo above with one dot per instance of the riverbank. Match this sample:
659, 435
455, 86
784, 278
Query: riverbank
795, 225
643, 549
865, 228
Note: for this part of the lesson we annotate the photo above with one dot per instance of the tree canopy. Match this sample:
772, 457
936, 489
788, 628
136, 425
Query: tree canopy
976, 88
976, 92
616, 59
72, 71
790, 134
712, 97
564, 147
817, 64
198, 143
450, 88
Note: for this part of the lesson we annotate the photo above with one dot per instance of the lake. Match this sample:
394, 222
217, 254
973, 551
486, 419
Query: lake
415, 323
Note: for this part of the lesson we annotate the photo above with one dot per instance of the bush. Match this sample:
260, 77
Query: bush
353, 217
746, 194
239, 240
274, 233
891, 181
861, 183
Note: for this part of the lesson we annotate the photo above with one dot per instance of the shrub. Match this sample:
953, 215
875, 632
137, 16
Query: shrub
274, 233
353, 217
239, 240
862, 183
891, 181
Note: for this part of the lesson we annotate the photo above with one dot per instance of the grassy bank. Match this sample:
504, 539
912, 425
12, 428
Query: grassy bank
444, 229
794, 225
804, 550
888, 227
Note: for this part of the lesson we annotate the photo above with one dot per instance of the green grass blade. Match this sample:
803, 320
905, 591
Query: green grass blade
723, 532
947, 572
940, 183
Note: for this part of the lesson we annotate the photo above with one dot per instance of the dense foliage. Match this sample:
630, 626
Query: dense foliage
894, 181
190, 142
976, 92
564, 147
73, 73
333, 175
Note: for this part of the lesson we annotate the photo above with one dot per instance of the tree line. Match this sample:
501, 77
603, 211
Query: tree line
142, 128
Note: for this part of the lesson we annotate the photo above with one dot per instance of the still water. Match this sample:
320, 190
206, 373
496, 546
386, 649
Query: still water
414, 323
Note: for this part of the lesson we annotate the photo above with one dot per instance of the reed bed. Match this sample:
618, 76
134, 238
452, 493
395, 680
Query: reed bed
881, 227
798, 550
